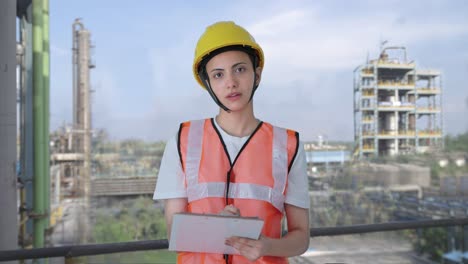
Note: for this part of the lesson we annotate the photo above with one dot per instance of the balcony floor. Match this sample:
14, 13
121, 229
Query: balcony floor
369, 248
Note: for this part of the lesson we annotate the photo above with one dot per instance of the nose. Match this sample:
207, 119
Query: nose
231, 81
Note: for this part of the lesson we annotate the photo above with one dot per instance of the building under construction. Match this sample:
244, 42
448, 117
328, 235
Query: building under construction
397, 107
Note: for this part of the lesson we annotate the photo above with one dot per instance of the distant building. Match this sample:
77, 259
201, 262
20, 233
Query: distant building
322, 157
397, 107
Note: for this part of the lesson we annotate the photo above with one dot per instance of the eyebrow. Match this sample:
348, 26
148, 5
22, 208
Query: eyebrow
233, 66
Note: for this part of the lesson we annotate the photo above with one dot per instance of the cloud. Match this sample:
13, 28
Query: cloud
300, 39
310, 58
279, 23
311, 50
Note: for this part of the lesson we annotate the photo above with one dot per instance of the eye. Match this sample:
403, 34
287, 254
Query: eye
240, 69
217, 75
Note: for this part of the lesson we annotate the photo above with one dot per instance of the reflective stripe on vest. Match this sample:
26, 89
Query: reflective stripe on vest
196, 190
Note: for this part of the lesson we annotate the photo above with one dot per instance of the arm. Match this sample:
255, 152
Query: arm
171, 207
294, 243
170, 187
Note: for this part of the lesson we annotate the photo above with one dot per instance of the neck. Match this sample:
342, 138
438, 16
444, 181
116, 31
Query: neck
238, 124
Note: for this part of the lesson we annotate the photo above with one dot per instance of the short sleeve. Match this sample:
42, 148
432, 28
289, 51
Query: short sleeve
297, 191
170, 180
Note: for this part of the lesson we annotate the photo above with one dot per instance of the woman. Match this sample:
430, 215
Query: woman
235, 163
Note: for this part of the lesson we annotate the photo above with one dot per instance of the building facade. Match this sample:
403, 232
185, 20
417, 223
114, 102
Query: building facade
397, 106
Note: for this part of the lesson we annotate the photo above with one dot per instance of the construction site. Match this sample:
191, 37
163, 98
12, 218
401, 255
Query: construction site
70, 184
397, 106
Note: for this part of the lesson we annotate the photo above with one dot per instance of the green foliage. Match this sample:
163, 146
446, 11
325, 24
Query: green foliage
131, 221
128, 158
378, 159
143, 257
457, 143
138, 221
435, 172
431, 242
403, 159
347, 209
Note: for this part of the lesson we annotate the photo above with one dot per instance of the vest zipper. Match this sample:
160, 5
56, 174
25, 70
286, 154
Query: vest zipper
228, 174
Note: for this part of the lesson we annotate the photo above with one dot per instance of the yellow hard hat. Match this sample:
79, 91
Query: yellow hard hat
220, 35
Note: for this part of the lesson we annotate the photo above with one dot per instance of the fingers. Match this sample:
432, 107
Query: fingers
249, 248
230, 210
240, 242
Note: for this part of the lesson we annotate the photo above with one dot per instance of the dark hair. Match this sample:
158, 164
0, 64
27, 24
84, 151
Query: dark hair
250, 51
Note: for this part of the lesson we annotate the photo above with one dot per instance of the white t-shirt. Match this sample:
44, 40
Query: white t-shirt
171, 177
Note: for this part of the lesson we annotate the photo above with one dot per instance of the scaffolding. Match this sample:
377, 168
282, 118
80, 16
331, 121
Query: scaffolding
397, 107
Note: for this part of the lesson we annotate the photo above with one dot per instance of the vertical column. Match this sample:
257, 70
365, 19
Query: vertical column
376, 112
451, 243
40, 212
8, 203
465, 243
415, 113
27, 142
356, 115
441, 115
397, 131
46, 83
82, 114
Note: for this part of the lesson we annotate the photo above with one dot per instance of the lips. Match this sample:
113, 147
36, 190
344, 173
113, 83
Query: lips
233, 95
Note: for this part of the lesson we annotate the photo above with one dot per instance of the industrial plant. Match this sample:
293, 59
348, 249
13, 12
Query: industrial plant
72, 186
397, 106
71, 146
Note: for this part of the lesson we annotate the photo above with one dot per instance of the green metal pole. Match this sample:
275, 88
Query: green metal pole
27, 133
46, 76
38, 112
8, 124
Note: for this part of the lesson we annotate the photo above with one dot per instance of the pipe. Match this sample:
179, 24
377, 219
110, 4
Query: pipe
57, 175
82, 111
77, 25
39, 210
8, 181
46, 79
22, 89
26, 145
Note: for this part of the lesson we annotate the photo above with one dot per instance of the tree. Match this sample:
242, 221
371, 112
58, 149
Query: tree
131, 221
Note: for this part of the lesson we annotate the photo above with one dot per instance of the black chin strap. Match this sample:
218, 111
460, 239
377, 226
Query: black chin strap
204, 77
255, 84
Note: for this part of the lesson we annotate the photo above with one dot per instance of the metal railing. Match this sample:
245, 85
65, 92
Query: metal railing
98, 249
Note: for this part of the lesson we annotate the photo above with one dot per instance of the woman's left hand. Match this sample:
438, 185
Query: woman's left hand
230, 210
250, 248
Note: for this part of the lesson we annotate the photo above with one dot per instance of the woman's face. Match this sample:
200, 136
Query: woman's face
231, 77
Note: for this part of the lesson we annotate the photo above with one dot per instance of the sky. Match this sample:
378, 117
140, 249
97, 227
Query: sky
143, 86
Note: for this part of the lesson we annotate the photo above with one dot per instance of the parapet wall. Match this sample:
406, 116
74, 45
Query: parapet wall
386, 175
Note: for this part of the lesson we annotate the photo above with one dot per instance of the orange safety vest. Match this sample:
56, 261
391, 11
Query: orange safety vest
257, 178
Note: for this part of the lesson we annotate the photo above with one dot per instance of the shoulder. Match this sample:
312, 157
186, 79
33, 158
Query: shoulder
290, 140
289, 131
186, 124
182, 137
292, 136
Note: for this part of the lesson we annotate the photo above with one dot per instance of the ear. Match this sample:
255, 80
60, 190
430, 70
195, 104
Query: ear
258, 74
